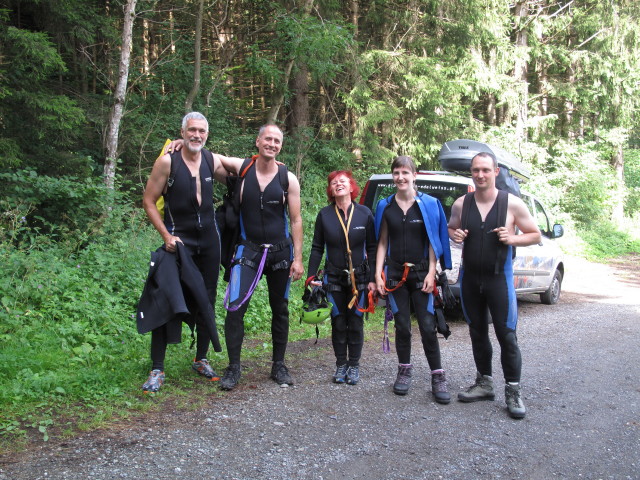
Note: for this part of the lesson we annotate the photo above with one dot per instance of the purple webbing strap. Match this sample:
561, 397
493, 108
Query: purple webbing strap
225, 302
388, 317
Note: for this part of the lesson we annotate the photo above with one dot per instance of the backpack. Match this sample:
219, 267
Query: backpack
503, 205
228, 213
208, 156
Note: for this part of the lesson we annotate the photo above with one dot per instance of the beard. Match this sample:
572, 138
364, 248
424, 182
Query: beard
194, 147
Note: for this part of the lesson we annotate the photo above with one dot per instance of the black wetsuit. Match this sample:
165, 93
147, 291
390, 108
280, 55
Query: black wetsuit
482, 290
263, 220
409, 242
196, 226
347, 332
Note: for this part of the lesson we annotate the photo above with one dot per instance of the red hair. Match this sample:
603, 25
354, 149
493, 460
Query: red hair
355, 189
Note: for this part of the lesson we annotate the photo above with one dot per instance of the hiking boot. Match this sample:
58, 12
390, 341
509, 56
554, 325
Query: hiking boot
481, 390
439, 387
353, 375
154, 382
231, 377
280, 374
204, 369
341, 374
403, 380
512, 395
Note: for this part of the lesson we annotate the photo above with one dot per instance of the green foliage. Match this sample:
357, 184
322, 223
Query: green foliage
604, 240
66, 318
29, 109
50, 205
632, 181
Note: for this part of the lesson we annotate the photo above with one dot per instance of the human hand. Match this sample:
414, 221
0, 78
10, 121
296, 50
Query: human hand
175, 145
459, 235
428, 283
503, 235
170, 243
296, 270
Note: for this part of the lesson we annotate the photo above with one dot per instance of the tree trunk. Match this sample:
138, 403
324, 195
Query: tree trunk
300, 105
521, 68
188, 104
300, 115
618, 165
278, 95
111, 140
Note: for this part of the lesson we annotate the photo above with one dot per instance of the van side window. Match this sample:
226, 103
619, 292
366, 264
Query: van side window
541, 217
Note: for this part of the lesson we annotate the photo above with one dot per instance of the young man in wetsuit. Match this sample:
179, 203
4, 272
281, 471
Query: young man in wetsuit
190, 219
487, 280
265, 239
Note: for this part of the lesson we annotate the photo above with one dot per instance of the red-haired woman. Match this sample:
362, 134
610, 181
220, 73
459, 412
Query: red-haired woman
345, 234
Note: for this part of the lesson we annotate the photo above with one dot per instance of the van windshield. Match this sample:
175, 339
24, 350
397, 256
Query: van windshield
446, 192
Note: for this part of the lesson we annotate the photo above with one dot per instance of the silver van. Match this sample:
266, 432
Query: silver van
537, 268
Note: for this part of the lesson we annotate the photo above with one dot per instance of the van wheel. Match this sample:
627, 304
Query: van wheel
552, 295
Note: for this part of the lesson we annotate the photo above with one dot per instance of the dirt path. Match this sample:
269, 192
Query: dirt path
581, 378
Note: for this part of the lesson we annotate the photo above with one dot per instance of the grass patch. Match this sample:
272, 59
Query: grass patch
604, 241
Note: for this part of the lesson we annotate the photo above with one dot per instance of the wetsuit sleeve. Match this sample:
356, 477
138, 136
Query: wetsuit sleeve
372, 246
317, 247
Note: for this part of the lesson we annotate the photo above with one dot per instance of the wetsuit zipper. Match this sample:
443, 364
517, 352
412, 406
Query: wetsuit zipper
482, 225
404, 238
261, 215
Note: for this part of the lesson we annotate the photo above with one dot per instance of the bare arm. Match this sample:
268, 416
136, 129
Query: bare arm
381, 253
221, 163
295, 219
230, 164
430, 279
155, 186
455, 232
518, 216
219, 172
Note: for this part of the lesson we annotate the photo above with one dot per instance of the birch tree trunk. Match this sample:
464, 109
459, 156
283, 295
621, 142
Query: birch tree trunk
111, 140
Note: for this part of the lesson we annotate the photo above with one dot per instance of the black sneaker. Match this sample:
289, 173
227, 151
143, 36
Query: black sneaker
353, 375
341, 374
231, 377
280, 374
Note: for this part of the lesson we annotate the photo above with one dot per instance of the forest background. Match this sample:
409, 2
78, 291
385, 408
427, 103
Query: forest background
90, 89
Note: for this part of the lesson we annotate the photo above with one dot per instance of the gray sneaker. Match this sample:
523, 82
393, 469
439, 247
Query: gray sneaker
481, 390
439, 387
403, 379
513, 397
154, 382
280, 374
231, 377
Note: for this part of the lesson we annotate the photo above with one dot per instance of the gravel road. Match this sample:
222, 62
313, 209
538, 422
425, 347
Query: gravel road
581, 381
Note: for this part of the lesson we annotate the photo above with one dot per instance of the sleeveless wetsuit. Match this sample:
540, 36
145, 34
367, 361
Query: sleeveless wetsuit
263, 220
347, 335
482, 290
196, 226
408, 242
